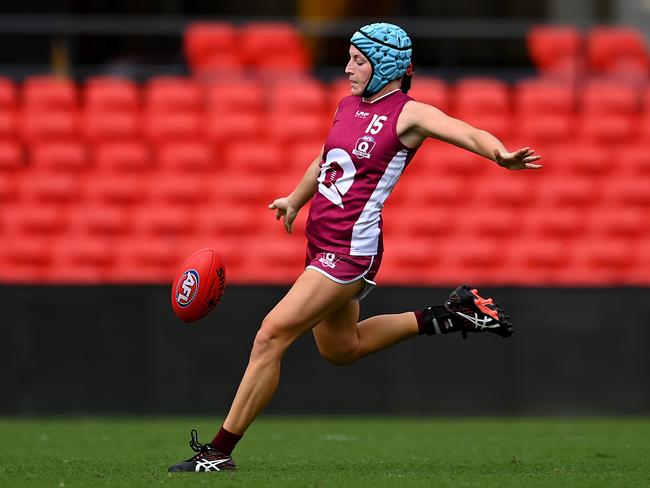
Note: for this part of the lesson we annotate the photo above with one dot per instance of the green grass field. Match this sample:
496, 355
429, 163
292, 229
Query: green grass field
337, 452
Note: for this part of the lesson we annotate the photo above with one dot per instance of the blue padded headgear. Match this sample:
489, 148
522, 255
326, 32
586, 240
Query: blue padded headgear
388, 48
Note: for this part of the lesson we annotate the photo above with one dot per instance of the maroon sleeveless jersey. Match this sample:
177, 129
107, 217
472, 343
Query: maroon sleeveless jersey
362, 161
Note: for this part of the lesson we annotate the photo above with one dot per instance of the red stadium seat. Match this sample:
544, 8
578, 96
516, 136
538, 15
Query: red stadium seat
605, 253
634, 159
173, 94
480, 259
111, 94
617, 222
605, 130
409, 261
555, 50
301, 96
546, 129
7, 94
162, 127
49, 93
639, 273
480, 83
576, 192
100, 220
123, 157
59, 157
481, 96
606, 97
144, 260
162, 220
511, 190
80, 260
552, 222
99, 126
534, 261
118, 189
447, 190
12, 157
236, 96
23, 260
176, 189
212, 47
627, 191
8, 125
274, 260
274, 47
235, 223
487, 222
306, 126
49, 187
441, 158
534, 96
221, 127
8, 190
644, 95
186, 157
581, 158
40, 126
253, 157
34, 219
617, 49
236, 188
429, 90
301, 154
416, 222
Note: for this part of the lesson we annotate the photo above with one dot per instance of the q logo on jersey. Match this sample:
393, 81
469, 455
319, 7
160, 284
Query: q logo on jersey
363, 147
188, 287
336, 176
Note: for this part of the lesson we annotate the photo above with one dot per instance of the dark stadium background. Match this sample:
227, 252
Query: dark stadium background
83, 341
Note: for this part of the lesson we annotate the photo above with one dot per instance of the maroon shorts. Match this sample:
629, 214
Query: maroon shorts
343, 268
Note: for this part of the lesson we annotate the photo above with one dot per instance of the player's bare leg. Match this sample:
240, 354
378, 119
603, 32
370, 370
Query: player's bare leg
341, 339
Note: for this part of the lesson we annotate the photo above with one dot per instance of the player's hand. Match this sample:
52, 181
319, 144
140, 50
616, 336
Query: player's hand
284, 208
522, 159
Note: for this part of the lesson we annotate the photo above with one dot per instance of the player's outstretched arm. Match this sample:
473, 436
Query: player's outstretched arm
419, 121
289, 206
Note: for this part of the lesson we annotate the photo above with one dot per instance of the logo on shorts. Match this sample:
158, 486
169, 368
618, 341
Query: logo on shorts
363, 147
188, 287
328, 260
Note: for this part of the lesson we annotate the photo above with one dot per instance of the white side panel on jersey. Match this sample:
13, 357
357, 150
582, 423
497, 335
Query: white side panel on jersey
365, 233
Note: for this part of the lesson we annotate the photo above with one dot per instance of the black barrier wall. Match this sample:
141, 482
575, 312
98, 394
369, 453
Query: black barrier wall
78, 350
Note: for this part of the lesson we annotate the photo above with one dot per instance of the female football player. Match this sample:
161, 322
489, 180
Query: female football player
376, 132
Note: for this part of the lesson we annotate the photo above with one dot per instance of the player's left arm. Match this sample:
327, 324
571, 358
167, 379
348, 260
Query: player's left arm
419, 121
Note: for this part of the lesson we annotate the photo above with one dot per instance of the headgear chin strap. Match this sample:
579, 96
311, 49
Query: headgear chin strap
388, 48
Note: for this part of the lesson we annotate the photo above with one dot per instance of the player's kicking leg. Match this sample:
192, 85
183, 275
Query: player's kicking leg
341, 340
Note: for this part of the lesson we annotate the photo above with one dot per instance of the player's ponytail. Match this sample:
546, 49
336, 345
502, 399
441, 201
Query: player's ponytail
405, 86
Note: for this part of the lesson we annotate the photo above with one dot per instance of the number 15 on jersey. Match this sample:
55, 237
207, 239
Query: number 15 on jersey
376, 124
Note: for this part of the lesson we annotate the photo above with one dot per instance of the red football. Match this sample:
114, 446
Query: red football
198, 285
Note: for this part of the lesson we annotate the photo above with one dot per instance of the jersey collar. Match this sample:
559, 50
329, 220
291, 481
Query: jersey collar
383, 96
